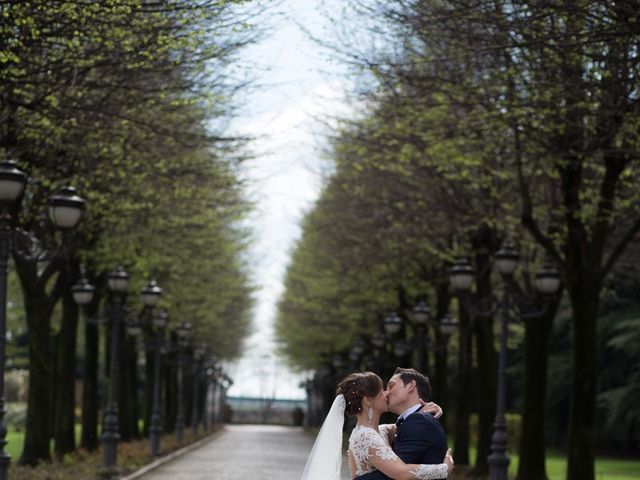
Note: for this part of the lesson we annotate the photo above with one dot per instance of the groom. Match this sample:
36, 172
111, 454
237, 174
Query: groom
419, 437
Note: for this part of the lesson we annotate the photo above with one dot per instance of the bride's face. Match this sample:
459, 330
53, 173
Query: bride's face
380, 401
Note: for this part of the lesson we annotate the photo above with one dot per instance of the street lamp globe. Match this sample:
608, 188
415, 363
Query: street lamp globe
200, 351
151, 294
448, 325
378, 340
82, 291
66, 208
134, 328
160, 319
358, 346
118, 280
12, 182
507, 259
401, 348
336, 361
392, 323
461, 275
547, 279
421, 313
182, 331
353, 355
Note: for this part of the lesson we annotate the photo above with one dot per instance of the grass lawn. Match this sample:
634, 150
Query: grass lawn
607, 468
14, 444
15, 440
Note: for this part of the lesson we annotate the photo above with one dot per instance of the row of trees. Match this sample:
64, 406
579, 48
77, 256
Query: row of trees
480, 121
127, 100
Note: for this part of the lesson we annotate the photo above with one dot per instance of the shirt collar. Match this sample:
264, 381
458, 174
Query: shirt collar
410, 410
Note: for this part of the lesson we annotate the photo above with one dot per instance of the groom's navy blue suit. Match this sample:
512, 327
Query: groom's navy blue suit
419, 439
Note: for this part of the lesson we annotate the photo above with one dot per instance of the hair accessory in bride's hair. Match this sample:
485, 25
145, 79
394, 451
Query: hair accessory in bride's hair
356, 386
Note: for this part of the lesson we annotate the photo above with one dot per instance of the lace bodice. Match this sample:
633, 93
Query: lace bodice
367, 447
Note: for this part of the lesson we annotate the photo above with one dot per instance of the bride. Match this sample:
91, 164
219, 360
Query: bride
361, 394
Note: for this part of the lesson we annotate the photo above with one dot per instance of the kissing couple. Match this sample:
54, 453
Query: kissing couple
415, 448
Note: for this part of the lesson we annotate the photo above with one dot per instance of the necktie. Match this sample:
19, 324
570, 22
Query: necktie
399, 421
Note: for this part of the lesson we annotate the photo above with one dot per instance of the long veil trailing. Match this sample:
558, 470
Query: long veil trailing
325, 459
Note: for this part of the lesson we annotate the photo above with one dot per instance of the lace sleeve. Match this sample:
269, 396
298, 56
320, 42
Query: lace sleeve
388, 431
379, 448
429, 472
384, 459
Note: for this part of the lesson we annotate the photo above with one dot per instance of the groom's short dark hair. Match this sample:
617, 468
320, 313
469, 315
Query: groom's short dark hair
422, 382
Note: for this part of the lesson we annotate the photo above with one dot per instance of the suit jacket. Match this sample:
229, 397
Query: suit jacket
419, 439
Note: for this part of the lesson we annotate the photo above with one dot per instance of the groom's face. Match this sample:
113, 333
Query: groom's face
397, 394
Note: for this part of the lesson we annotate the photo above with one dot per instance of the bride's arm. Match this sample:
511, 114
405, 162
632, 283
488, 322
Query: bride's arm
432, 408
352, 464
384, 459
388, 431
398, 470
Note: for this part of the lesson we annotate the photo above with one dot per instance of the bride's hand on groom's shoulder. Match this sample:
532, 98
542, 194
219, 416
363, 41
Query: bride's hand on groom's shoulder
431, 407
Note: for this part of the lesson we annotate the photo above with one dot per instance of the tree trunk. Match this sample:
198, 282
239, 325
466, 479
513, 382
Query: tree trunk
53, 390
582, 418
170, 389
38, 309
134, 400
125, 403
90, 408
37, 432
440, 349
64, 418
90, 384
531, 464
463, 391
487, 391
148, 389
485, 242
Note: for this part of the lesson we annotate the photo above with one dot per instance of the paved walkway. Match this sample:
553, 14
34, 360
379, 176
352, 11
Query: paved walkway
244, 452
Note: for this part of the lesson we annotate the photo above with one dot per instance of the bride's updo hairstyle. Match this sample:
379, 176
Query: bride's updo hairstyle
356, 386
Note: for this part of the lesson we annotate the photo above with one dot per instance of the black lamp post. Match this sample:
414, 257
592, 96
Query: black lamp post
337, 362
150, 297
379, 342
401, 349
182, 338
547, 282
83, 293
12, 184
392, 325
118, 283
159, 324
447, 326
65, 211
198, 355
421, 314
358, 346
208, 374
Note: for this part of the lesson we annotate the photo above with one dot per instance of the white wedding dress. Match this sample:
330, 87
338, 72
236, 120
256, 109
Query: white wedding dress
367, 442
325, 459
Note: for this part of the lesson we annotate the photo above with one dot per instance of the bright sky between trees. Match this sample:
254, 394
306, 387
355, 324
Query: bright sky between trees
296, 89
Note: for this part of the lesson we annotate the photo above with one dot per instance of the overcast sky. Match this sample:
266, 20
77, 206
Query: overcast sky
285, 178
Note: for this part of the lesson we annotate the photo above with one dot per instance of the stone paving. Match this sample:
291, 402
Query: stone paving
244, 452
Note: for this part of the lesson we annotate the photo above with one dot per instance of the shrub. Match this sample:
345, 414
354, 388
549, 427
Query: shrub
16, 416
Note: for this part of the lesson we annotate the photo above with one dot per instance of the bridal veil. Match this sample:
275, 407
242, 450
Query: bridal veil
325, 459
